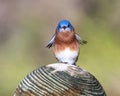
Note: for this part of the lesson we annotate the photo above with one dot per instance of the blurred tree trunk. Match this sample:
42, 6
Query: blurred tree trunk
7, 20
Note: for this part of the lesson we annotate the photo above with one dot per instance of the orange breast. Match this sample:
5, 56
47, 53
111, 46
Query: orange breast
64, 40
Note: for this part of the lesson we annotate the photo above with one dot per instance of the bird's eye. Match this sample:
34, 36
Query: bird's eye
59, 26
68, 25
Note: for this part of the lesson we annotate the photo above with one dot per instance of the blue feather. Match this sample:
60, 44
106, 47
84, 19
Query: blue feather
64, 23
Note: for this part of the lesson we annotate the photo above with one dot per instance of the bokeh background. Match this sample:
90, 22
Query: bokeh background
26, 26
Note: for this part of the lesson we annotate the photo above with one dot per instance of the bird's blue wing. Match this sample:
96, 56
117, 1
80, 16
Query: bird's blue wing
80, 40
51, 42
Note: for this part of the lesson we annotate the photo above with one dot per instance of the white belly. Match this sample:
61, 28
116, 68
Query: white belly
67, 56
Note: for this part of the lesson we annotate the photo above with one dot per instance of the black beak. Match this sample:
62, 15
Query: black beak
64, 27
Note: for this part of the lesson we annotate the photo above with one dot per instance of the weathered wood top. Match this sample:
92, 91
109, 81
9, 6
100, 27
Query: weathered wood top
59, 80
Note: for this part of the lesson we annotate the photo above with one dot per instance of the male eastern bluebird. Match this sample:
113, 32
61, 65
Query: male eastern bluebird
66, 43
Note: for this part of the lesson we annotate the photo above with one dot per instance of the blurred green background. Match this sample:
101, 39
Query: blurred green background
26, 26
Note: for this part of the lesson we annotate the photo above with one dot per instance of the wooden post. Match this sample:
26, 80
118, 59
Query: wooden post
59, 80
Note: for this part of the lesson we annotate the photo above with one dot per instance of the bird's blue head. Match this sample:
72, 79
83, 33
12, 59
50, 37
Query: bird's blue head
64, 26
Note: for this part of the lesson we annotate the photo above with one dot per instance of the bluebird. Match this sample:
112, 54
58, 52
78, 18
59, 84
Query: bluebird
66, 43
